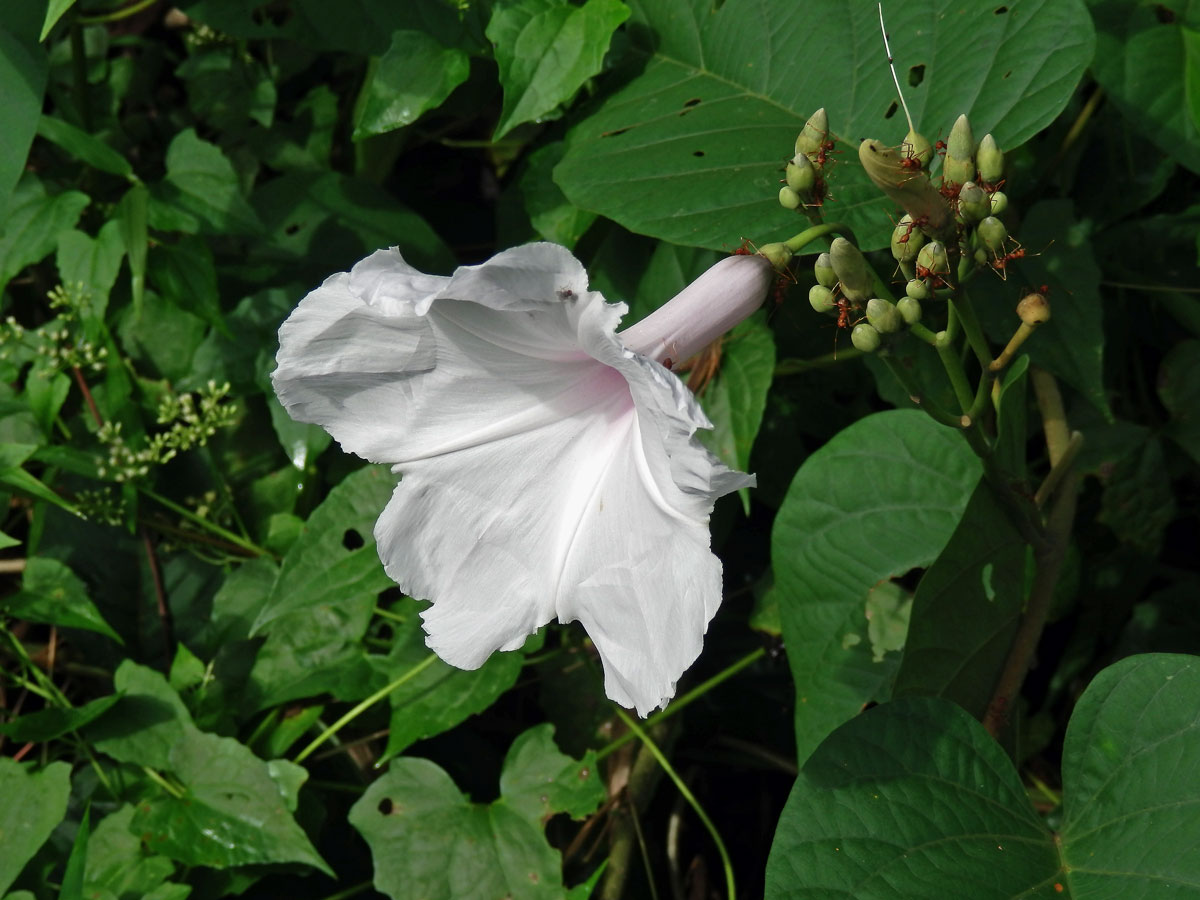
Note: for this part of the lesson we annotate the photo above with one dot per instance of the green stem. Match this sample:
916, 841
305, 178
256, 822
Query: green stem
363, 705
163, 783
806, 237
352, 891
204, 523
681, 703
966, 314
687, 795
954, 371
123, 13
388, 614
952, 325
796, 366
920, 332
914, 392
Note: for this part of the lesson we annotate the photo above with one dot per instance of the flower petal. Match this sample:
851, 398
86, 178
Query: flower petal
546, 470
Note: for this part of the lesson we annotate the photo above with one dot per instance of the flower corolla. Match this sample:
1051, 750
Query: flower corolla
549, 467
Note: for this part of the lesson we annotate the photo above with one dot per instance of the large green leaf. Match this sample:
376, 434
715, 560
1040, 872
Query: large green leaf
84, 146
554, 217
441, 696
327, 220
231, 809
23, 70
911, 799
966, 609
1131, 787
546, 49
335, 558
228, 88
690, 148
415, 75
90, 265
119, 862
52, 593
34, 221
322, 602
414, 818
1142, 62
34, 802
48, 724
914, 799
881, 498
201, 192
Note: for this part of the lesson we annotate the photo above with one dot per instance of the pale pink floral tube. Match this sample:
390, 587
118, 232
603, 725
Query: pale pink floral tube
711, 305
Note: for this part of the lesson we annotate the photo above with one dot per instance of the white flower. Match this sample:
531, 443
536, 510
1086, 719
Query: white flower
548, 467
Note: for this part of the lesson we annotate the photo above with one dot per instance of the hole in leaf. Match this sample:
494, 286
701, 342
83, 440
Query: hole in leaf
1006, 74
916, 75
1165, 16
692, 102
891, 110
385, 806
697, 153
352, 540
292, 229
1000, 10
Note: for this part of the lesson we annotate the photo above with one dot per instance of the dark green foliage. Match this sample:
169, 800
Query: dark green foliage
209, 686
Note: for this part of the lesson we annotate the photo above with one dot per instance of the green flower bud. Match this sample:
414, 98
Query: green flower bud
852, 270
932, 259
919, 148
1034, 309
907, 239
865, 338
778, 255
884, 316
990, 160
917, 289
992, 234
959, 165
909, 309
815, 133
823, 269
788, 198
800, 174
999, 202
973, 203
820, 298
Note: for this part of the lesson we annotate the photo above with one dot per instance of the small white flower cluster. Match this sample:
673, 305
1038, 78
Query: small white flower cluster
192, 420
103, 506
55, 342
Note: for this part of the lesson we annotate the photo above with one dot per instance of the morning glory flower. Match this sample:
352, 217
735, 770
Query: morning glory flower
548, 466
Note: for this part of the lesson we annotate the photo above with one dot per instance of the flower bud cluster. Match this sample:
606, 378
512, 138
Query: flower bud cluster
191, 419
804, 182
846, 288
58, 344
103, 506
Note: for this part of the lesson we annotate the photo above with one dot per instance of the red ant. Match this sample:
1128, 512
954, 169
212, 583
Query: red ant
843, 316
1000, 263
824, 152
918, 222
